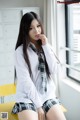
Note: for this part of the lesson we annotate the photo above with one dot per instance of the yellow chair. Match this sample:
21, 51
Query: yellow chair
6, 90
63, 108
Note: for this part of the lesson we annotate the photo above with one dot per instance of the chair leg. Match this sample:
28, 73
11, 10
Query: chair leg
2, 99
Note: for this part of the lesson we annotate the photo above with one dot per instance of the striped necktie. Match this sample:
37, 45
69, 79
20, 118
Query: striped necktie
41, 67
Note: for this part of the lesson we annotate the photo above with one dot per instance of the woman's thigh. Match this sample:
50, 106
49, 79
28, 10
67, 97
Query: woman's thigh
55, 113
28, 115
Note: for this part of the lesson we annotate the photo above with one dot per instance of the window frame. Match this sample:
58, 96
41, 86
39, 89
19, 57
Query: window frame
67, 49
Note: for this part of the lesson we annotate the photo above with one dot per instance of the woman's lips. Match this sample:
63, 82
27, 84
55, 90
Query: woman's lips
37, 36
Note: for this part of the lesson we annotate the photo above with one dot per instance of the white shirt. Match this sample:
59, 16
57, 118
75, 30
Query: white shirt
28, 88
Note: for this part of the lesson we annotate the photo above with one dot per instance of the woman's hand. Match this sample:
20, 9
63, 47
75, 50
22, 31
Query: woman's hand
41, 114
43, 38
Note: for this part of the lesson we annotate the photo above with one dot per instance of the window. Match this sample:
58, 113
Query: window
72, 12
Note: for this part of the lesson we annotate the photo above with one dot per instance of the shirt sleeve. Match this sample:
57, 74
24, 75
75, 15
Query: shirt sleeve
51, 58
25, 80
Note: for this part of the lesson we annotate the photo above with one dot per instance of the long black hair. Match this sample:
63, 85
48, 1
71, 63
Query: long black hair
24, 39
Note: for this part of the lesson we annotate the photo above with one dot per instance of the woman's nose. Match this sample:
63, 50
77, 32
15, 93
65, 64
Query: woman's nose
36, 30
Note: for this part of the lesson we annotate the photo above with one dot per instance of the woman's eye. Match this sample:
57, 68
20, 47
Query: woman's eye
39, 26
30, 28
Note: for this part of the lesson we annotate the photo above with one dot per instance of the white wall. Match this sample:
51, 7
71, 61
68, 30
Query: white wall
70, 97
23, 3
69, 91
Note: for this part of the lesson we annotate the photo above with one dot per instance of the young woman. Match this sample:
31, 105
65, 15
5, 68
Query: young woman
35, 62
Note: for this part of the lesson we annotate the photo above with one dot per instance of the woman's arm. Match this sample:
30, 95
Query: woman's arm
52, 60
27, 85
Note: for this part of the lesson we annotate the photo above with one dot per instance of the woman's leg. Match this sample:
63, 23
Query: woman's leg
25, 111
55, 113
28, 115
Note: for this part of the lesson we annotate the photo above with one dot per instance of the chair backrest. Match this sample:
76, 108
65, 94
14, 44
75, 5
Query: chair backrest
7, 89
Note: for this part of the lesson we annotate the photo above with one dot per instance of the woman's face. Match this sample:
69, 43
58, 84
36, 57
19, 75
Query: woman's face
35, 30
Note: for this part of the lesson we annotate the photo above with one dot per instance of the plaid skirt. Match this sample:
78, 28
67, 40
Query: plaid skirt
18, 107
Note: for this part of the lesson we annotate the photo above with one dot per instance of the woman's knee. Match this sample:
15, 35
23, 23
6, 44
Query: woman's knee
28, 115
55, 113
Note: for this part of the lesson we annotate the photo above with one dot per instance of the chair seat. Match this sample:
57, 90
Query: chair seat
63, 108
7, 107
